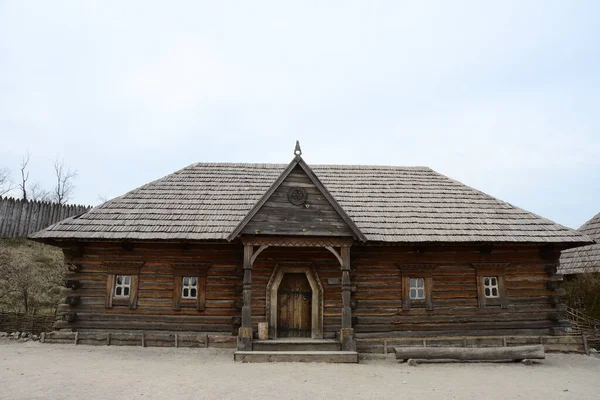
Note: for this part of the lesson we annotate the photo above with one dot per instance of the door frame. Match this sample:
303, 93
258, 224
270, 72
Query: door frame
316, 326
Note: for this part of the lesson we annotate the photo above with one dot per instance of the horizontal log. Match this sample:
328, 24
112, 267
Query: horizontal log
534, 352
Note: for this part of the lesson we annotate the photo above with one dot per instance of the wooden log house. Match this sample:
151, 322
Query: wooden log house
583, 259
324, 254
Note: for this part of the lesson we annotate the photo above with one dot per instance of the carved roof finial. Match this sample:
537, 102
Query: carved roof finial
297, 150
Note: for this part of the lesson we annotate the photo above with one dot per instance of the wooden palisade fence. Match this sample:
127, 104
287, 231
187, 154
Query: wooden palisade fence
20, 218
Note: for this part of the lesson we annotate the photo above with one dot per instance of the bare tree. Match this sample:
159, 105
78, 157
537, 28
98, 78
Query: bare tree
64, 188
37, 193
24, 175
6, 183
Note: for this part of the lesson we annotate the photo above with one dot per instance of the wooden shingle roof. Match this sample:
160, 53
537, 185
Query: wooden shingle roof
207, 201
586, 258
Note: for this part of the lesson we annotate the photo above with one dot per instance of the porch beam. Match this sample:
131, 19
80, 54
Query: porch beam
296, 241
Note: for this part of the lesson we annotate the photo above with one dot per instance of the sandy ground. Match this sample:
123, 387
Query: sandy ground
46, 371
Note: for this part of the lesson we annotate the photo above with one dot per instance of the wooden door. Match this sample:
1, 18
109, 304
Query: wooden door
295, 299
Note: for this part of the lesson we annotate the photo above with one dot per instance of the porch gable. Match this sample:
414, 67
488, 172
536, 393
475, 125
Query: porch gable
298, 204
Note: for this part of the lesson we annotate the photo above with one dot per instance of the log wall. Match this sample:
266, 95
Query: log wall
155, 293
533, 299
533, 304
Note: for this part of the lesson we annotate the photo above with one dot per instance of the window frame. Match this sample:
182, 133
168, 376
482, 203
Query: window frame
487, 270
492, 284
180, 272
124, 285
190, 287
416, 288
417, 271
122, 268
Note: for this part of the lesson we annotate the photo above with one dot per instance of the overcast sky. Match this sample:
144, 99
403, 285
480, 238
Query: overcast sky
501, 95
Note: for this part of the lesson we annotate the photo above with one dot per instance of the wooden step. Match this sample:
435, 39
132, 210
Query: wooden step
296, 345
296, 356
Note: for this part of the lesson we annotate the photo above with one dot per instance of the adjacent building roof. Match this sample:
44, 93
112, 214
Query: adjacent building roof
586, 258
207, 201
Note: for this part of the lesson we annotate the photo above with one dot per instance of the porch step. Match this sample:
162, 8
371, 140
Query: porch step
296, 345
296, 356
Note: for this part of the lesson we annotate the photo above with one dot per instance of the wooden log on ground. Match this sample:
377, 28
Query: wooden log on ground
534, 352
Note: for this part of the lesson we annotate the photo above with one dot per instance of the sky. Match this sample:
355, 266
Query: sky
502, 96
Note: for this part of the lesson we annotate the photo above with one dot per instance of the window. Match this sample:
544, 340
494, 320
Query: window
122, 286
417, 288
122, 279
490, 286
190, 288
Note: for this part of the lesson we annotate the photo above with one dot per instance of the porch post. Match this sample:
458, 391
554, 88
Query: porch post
244, 340
347, 333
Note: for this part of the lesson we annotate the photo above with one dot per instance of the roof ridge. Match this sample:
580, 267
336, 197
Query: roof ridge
282, 165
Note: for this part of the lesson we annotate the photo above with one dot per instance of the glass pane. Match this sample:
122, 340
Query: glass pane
495, 292
487, 292
193, 292
127, 280
420, 283
186, 292
486, 281
118, 291
186, 281
126, 291
194, 282
421, 293
413, 293
413, 283
119, 280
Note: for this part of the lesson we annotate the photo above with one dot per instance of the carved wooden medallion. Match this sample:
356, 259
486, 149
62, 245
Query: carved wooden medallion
297, 196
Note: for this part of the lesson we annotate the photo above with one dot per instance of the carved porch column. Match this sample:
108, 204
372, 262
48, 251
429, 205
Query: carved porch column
347, 333
244, 341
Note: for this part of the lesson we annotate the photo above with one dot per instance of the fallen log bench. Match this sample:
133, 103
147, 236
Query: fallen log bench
519, 353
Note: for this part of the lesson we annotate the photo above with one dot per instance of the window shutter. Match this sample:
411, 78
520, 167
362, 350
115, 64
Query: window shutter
133, 295
405, 293
429, 292
201, 293
502, 292
480, 292
177, 292
110, 284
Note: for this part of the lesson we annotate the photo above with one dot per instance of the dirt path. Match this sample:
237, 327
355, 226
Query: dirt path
44, 371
